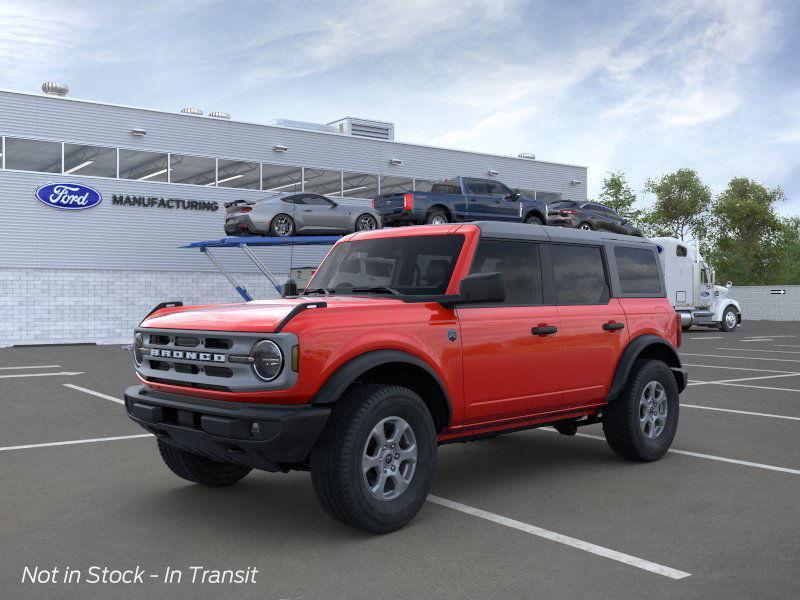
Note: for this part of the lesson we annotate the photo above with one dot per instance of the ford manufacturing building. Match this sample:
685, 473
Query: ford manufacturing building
71, 276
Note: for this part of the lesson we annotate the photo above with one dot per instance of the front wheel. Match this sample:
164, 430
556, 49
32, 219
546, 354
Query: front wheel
642, 422
199, 469
373, 466
281, 226
729, 320
366, 222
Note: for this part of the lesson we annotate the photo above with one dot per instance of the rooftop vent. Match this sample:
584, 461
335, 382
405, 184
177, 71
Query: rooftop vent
192, 111
219, 115
377, 130
303, 125
51, 88
527, 155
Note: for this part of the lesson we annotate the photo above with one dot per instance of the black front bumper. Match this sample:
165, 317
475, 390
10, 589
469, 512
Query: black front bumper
227, 431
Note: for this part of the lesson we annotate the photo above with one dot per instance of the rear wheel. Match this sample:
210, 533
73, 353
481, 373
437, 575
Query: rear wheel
533, 220
729, 320
641, 423
281, 226
374, 464
366, 222
199, 469
437, 216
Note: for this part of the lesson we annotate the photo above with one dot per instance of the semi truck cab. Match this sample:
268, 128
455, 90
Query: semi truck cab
692, 289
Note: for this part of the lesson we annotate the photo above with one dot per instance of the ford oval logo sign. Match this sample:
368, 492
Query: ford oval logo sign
68, 196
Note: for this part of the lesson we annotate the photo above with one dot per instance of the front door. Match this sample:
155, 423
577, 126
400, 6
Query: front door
322, 214
511, 350
480, 203
593, 325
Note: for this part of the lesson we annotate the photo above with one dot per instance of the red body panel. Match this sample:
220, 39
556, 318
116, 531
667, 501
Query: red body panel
496, 373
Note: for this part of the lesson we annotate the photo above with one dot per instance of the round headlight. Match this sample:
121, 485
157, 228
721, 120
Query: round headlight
268, 360
138, 343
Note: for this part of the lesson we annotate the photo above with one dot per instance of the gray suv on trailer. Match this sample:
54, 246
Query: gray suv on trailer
286, 214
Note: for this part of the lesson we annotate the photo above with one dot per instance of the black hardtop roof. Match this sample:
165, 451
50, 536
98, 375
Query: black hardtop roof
532, 232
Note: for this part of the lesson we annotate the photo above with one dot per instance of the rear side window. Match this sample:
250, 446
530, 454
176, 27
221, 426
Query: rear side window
579, 274
638, 271
446, 186
519, 264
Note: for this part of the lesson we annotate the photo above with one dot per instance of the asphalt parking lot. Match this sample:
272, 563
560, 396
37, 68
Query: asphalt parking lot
529, 515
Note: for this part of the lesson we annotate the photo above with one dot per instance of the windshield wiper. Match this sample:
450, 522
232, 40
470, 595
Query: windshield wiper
381, 289
323, 291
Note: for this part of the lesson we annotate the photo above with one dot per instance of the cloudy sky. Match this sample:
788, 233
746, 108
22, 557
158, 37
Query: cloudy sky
641, 87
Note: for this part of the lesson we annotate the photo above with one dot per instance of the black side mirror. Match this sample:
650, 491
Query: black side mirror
289, 288
479, 288
334, 204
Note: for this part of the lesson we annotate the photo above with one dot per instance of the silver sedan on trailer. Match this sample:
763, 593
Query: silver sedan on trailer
297, 213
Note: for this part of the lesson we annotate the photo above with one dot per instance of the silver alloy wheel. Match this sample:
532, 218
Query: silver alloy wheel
282, 226
653, 409
586, 227
730, 319
389, 458
366, 223
439, 220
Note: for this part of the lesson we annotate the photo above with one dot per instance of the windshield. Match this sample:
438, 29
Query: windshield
416, 265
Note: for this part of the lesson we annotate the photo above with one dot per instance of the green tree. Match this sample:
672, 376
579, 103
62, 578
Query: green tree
750, 243
617, 194
681, 205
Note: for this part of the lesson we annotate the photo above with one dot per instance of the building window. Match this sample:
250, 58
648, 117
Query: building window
321, 181
423, 185
359, 185
280, 178
33, 155
144, 166
237, 174
194, 170
546, 197
396, 185
96, 161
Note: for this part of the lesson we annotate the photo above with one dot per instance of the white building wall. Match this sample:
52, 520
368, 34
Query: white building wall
759, 303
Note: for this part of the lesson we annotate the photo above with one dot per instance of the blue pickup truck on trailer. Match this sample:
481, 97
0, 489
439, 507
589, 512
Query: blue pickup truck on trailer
461, 199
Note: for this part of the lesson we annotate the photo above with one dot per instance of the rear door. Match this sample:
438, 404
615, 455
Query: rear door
593, 325
510, 371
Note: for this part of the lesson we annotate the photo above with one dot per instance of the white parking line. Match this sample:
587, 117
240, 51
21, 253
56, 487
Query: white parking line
759, 350
713, 337
758, 340
562, 539
698, 454
93, 393
31, 367
761, 387
41, 374
787, 346
740, 412
740, 357
72, 442
743, 379
738, 368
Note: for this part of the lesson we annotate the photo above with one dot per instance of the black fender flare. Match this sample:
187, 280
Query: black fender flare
634, 351
535, 212
335, 386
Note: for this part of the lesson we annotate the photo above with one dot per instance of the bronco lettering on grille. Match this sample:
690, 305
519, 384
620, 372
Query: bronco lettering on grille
201, 356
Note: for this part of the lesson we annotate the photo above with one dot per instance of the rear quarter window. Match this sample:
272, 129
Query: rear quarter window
638, 271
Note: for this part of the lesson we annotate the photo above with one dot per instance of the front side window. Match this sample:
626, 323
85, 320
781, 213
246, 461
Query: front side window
316, 200
519, 264
638, 271
579, 274
477, 187
681, 251
33, 155
416, 265
97, 161
495, 188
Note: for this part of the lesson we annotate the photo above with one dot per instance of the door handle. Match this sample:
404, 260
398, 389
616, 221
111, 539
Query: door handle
544, 330
308, 210
613, 326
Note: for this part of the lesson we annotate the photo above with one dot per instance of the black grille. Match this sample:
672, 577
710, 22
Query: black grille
187, 342
218, 343
214, 371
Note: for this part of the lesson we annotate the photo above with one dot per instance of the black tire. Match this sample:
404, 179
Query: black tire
276, 225
336, 460
363, 220
724, 326
533, 220
436, 215
199, 469
621, 418
685, 327
586, 226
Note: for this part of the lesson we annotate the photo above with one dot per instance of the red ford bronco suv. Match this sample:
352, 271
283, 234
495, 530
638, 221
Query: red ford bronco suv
410, 338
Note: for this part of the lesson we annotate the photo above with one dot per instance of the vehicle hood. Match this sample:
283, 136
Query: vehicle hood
262, 316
